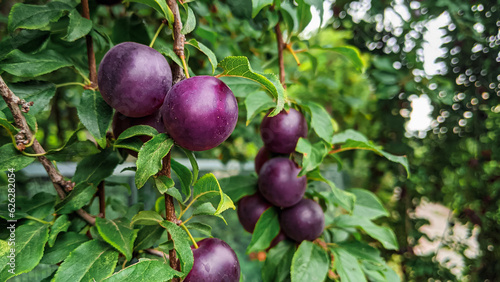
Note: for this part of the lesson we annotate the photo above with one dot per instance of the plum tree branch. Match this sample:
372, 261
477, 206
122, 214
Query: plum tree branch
90, 47
179, 41
169, 211
93, 83
281, 47
62, 186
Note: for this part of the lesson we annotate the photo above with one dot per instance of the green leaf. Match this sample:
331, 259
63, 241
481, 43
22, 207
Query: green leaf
150, 158
190, 22
38, 92
381, 233
276, 268
313, 155
266, 229
340, 197
362, 251
145, 270
203, 209
130, 28
201, 227
239, 186
95, 114
40, 205
63, 246
205, 50
95, 168
118, 234
10, 157
240, 67
163, 183
184, 175
91, 261
310, 263
258, 5
60, 225
18, 63
349, 52
78, 26
76, 199
158, 5
36, 16
321, 121
367, 204
256, 103
137, 130
147, 236
347, 266
30, 241
147, 218
168, 52
182, 245
355, 140
194, 164
208, 187
304, 15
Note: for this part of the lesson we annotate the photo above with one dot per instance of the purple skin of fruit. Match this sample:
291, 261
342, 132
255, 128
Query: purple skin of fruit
263, 156
121, 123
134, 79
250, 208
280, 237
214, 260
279, 184
281, 132
304, 221
200, 112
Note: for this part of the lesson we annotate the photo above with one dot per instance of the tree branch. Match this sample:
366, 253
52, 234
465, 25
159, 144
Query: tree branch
90, 47
62, 186
93, 83
179, 40
281, 47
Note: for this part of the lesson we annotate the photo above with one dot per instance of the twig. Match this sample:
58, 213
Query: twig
281, 46
169, 211
55, 176
102, 199
90, 47
93, 84
179, 41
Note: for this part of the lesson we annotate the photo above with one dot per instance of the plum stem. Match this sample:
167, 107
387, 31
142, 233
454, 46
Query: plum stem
60, 185
184, 65
70, 84
156, 34
289, 47
190, 236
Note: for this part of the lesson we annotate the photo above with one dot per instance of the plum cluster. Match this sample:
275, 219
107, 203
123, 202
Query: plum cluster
279, 185
199, 113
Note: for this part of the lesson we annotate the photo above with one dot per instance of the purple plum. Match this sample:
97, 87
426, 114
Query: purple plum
263, 156
279, 184
304, 221
250, 208
134, 79
200, 113
281, 132
214, 260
